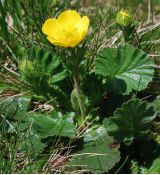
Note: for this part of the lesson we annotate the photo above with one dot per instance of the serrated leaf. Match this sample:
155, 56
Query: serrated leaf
64, 128
125, 63
46, 125
133, 118
43, 125
47, 62
59, 77
48, 72
97, 156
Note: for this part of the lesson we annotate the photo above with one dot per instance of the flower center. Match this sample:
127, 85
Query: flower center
68, 33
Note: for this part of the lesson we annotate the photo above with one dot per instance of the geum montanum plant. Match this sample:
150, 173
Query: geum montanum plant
68, 31
110, 105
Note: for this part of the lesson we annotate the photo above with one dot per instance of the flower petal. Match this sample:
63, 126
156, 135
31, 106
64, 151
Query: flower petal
51, 28
68, 30
55, 42
85, 22
69, 18
84, 26
63, 43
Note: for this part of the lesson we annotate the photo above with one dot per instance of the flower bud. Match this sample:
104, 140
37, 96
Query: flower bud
26, 66
124, 19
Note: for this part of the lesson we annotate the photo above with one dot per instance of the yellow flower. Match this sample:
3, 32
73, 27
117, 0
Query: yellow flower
68, 30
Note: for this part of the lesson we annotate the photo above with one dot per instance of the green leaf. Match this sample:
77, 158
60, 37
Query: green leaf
47, 72
43, 125
135, 117
46, 61
30, 143
116, 85
46, 125
95, 94
14, 107
61, 97
92, 134
43, 65
64, 124
18, 126
134, 167
155, 167
156, 104
125, 63
97, 156
59, 77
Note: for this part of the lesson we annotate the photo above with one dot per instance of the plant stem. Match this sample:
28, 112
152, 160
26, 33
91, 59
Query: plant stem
130, 35
76, 83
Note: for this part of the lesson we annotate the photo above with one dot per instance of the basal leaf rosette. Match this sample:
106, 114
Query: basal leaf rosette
125, 63
68, 30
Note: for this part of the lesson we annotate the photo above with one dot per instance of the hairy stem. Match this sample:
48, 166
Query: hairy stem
76, 83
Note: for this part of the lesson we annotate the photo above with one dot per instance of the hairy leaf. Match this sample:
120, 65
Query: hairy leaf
59, 77
125, 63
48, 63
46, 125
133, 118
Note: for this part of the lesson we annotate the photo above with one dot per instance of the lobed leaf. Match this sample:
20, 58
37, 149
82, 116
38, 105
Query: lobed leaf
125, 63
46, 125
134, 118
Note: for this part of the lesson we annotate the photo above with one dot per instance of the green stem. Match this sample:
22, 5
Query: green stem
76, 83
130, 35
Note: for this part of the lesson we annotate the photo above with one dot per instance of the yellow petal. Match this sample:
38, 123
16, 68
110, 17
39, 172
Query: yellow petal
56, 42
74, 35
85, 25
75, 40
85, 22
69, 18
68, 30
50, 28
74, 43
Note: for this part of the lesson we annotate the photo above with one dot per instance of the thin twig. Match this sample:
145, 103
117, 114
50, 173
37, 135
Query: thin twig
11, 71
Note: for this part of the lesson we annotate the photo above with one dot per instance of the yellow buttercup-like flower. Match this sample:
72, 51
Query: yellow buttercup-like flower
68, 30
